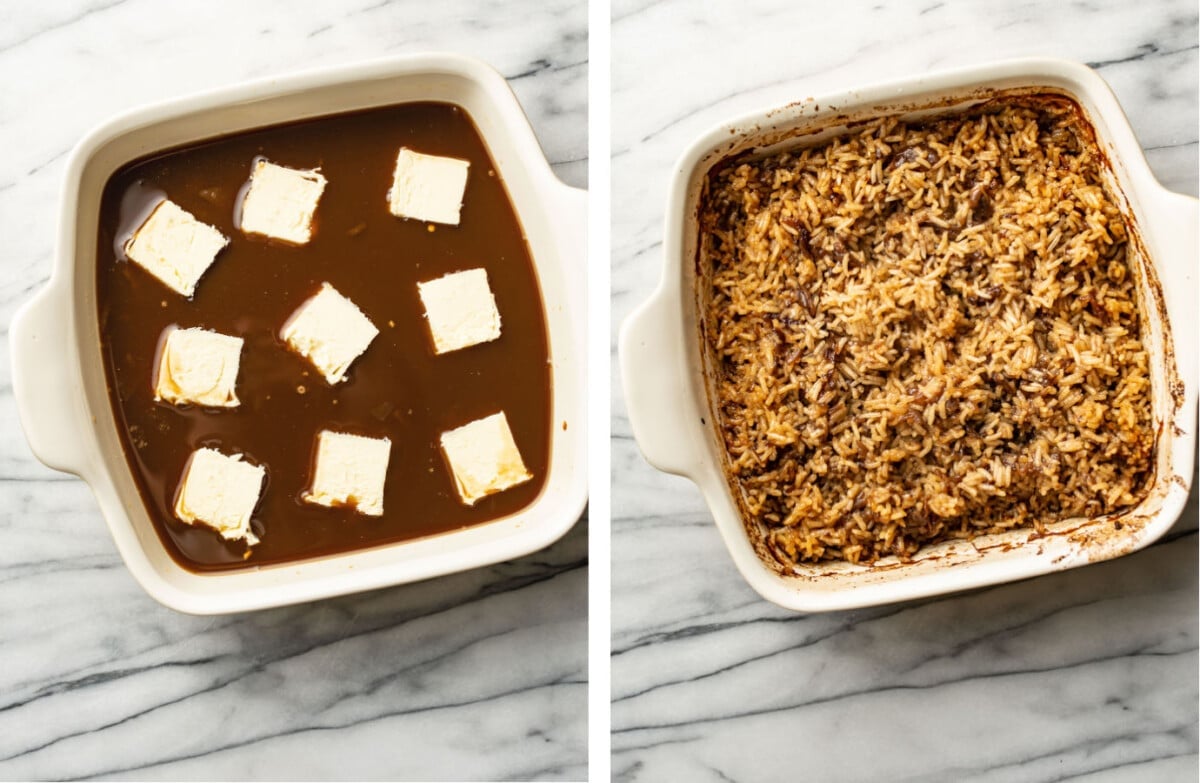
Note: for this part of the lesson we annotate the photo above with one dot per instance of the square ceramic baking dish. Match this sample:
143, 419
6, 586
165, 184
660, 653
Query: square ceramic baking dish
666, 384
58, 377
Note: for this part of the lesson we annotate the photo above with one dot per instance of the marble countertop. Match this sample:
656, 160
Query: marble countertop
1089, 674
478, 675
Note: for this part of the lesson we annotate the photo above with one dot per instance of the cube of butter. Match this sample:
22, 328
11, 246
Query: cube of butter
198, 367
428, 187
483, 458
175, 247
220, 491
350, 471
329, 331
280, 202
460, 309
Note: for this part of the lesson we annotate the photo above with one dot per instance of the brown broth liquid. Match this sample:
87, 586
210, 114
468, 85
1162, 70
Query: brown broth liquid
398, 388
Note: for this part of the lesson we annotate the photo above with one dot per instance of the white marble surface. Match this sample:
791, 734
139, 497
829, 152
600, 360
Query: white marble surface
1090, 674
479, 675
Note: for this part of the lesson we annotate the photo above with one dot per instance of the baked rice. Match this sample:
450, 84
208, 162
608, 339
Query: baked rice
925, 331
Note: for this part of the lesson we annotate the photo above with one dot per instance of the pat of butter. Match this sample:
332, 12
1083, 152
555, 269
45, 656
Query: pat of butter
350, 471
428, 187
280, 202
198, 366
220, 491
460, 309
175, 247
484, 458
329, 331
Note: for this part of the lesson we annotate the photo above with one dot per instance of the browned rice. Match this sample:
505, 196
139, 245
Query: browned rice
925, 331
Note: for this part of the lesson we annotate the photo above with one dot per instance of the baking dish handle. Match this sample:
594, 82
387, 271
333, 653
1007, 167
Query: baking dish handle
48, 394
1176, 218
572, 205
569, 213
1182, 215
656, 388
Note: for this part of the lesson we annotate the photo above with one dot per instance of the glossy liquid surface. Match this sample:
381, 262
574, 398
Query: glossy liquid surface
398, 388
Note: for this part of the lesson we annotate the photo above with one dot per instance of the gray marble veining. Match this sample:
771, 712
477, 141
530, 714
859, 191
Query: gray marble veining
1089, 674
480, 675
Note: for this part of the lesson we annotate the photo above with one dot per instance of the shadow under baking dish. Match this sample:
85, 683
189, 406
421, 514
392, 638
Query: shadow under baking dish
398, 388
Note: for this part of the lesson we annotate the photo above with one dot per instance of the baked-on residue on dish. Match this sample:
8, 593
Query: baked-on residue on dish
925, 331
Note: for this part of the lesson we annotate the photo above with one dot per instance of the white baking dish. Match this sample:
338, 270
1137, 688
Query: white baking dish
59, 381
663, 367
